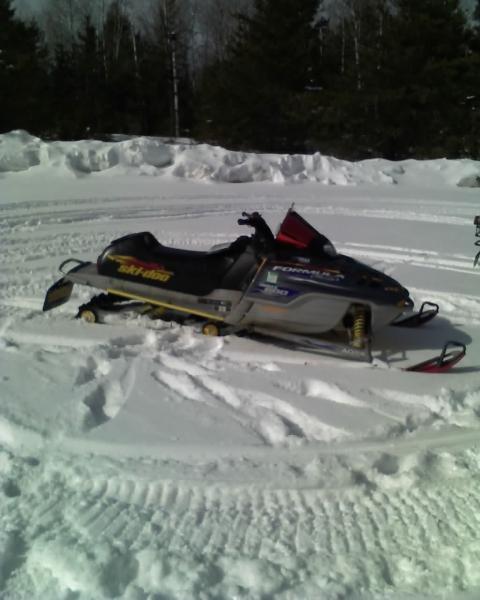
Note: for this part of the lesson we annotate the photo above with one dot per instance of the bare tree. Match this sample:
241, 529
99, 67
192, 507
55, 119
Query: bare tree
361, 26
214, 24
61, 20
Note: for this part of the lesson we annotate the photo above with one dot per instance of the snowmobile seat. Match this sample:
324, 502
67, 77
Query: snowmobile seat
189, 271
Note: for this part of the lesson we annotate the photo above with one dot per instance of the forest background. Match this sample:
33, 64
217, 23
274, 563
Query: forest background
351, 78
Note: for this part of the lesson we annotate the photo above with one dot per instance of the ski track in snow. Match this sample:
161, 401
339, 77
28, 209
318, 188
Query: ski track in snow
348, 487
416, 258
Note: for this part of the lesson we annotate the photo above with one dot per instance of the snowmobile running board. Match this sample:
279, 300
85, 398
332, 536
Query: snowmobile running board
441, 363
319, 345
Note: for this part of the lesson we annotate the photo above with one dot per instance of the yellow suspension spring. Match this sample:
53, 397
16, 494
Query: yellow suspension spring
476, 222
359, 328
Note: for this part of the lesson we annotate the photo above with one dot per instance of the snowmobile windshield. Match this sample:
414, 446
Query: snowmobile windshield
297, 232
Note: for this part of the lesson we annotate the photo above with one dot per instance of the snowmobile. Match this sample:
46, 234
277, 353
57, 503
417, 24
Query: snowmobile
476, 222
293, 287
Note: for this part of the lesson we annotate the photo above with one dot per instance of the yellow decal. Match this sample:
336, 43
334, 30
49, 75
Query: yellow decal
129, 265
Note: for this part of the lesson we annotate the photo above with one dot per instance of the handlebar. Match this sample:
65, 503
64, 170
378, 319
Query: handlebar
250, 218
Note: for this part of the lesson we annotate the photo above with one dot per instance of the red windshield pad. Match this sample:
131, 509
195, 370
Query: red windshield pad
296, 231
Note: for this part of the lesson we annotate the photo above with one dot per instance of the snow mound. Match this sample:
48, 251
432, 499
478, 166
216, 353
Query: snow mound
20, 151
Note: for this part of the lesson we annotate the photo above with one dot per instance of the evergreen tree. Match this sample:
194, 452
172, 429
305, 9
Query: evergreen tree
121, 69
155, 83
90, 79
402, 76
22, 73
77, 85
252, 98
472, 99
356, 60
63, 92
476, 14
427, 79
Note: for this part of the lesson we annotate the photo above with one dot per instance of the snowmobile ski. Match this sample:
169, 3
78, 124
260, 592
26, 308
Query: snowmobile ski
452, 353
418, 318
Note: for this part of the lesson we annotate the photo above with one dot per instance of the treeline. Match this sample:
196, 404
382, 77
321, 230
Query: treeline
352, 78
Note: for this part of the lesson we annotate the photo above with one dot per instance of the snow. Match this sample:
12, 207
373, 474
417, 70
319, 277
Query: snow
139, 459
19, 152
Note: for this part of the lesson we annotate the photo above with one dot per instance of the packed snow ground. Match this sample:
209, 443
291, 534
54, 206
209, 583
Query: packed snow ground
142, 460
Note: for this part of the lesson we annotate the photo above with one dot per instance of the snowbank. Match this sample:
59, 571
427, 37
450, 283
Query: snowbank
20, 151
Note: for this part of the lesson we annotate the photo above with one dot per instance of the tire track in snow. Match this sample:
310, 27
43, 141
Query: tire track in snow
417, 258
377, 528
390, 214
272, 418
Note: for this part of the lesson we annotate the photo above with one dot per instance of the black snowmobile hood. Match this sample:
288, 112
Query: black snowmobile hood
340, 275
